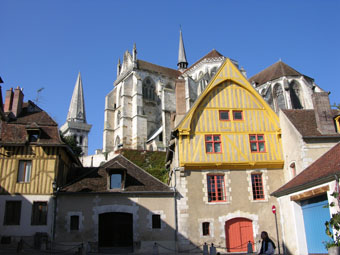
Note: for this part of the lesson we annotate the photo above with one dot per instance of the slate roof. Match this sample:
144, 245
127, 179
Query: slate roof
143, 65
96, 179
14, 130
275, 71
321, 171
212, 54
304, 121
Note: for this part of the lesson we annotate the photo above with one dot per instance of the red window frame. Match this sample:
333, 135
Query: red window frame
257, 142
206, 228
257, 186
211, 140
216, 188
238, 111
224, 111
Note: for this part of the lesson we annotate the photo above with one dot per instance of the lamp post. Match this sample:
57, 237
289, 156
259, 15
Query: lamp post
277, 230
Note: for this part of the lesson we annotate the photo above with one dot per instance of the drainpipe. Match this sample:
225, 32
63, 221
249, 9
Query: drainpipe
175, 204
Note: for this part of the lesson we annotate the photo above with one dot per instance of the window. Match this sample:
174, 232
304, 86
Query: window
256, 182
33, 135
156, 221
213, 144
74, 222
237, 115
39, 213
205, 228
24, 173
12, 213
216, 189
115, 181
257, 143
224, 115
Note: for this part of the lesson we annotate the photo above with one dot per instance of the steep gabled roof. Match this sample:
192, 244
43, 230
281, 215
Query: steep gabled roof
137, 179
305, 123
227, 72
321, 171
212, 54
143, 65
275, 71
14, 130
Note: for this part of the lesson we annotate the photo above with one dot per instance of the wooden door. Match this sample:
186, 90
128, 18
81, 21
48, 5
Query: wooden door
238, 232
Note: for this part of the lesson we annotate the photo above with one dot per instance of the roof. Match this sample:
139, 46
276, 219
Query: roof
212, 54
321, 171
143, 65
304, 121
137, 179
275, 71
182, 58
14, 130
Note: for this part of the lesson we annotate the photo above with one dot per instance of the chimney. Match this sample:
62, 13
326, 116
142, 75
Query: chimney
8, 100
17, 101
323, 113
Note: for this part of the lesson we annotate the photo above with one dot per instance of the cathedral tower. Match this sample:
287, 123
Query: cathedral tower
75, 124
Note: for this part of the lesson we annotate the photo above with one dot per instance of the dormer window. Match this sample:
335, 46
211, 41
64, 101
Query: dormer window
116, 179
33, 135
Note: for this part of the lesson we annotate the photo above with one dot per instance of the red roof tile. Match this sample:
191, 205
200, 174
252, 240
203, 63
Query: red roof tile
304, 121
277, 70
321, 171
143, 65
212, 54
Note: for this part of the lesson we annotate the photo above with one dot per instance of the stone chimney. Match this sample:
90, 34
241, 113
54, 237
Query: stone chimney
323, 113
8, 100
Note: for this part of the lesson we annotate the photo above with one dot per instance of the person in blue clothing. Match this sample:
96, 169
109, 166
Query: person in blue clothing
267, 246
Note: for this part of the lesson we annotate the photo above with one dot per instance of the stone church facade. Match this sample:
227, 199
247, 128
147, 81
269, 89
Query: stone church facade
141, 110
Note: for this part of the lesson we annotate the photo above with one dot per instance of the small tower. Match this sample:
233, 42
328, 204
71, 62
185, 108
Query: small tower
75, 124
182, 58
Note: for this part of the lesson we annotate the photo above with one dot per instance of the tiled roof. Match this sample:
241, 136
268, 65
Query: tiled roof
212, 54
304, 121
137, 180
277, 70
14, 130
321, 171
143, 65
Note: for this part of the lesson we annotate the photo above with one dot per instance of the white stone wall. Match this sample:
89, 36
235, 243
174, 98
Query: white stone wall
25, 228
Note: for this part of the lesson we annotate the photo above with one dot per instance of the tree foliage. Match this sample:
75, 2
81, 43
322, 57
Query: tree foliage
72, 143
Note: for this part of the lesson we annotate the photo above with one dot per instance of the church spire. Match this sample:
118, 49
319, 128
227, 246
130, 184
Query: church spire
182, 59
76, 111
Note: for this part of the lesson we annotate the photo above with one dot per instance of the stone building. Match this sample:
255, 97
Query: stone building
34, 162
225, 160
76, 125
141, 109
116, 208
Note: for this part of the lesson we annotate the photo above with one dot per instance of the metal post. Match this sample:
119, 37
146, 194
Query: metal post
277, 234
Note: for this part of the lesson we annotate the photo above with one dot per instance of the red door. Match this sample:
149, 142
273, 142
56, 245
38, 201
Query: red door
238, 232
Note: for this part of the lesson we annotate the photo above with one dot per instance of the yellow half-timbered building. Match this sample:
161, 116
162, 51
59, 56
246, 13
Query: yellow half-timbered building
34, 161
227, 160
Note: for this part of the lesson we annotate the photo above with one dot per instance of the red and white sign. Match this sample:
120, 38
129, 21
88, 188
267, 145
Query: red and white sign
274, 209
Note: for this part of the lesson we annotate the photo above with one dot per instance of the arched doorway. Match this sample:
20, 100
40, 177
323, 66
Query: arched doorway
115, 232
238, 232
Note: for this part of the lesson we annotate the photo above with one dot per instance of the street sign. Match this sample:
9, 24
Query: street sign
274, 209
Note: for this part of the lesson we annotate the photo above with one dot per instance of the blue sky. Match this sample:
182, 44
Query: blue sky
44, 44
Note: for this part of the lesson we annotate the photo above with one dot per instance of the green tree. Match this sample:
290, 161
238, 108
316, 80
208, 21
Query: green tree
72, 143
336, 106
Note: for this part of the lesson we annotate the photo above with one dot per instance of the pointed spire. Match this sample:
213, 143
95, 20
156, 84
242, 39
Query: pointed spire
182, 59
134, 55
76, 111
118, 67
